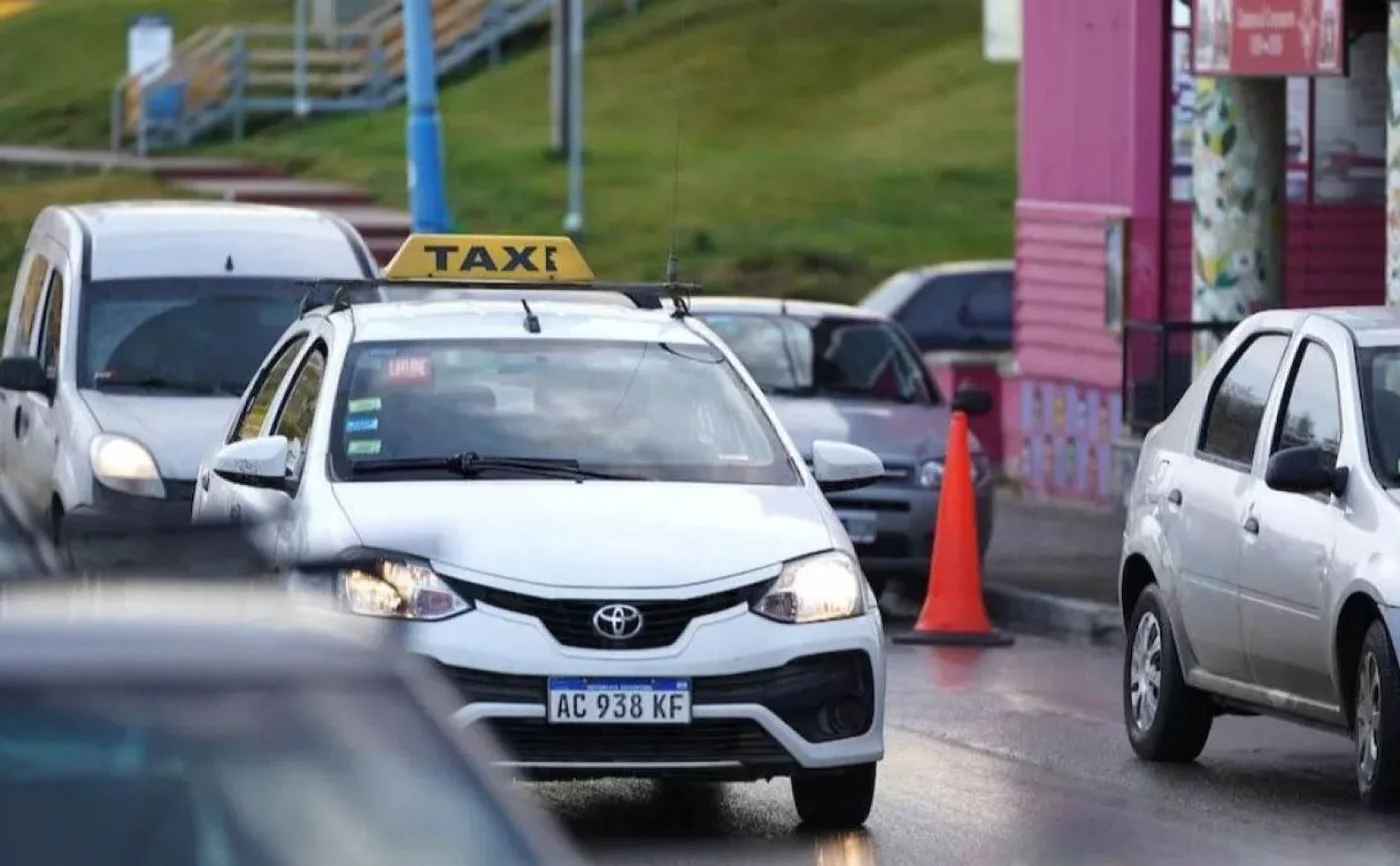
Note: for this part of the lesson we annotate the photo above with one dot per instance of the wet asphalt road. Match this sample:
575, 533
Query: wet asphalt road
1017, 756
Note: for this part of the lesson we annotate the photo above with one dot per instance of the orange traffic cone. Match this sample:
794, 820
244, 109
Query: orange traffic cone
953, 613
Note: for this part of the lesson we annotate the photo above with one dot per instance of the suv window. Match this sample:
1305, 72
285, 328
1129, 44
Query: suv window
50, 340
1236, 408
299, 409
1312, 406
19, 341
253, 415
989, 305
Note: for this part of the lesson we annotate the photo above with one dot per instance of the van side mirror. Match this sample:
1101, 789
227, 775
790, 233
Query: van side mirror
1304, 470
972, 402
25, 373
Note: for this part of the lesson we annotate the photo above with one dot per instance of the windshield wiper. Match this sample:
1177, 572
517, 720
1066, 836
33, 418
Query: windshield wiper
472, 465
156, 383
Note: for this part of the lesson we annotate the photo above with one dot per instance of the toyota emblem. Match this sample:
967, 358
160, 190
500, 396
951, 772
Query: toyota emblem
617, 621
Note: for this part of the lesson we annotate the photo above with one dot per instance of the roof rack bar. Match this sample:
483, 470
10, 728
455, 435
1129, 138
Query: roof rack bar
340, 293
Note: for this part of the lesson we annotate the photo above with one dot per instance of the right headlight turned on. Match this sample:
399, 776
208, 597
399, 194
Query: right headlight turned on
388, 586
819, 588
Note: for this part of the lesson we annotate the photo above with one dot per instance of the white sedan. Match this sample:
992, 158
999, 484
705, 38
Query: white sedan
1261, 571
588, 515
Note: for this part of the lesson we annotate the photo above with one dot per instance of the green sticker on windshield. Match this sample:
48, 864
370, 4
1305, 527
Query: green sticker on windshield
365, 404
361, 447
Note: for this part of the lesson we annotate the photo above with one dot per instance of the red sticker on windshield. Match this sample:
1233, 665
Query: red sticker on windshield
409, 369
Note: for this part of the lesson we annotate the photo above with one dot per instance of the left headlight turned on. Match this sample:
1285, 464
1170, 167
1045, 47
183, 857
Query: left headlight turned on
393, 587
819, 588
124, 465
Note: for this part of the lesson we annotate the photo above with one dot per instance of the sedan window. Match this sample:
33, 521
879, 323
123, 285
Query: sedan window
1236, 408
1312, 410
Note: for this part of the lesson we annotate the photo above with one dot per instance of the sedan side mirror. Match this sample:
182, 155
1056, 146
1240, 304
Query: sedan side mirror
841, 466
25, 373
1304, 470
259, 462
972, 402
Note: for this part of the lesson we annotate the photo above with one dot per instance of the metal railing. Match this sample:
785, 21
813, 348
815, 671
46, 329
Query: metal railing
1158, 366
220, 76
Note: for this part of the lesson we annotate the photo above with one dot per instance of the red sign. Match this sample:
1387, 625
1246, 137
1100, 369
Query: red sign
409, 369
1269, 37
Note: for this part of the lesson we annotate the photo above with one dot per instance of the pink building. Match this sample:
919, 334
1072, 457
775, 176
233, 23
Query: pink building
1100, 358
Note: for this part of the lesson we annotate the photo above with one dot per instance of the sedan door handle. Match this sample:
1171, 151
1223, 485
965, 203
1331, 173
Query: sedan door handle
1251, 525
1174, 497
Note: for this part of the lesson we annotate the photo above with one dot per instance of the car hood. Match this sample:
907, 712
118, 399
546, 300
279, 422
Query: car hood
899, 434
594, 534
176, 430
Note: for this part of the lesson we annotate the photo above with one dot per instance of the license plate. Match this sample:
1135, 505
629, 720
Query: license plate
601, 701
860, 525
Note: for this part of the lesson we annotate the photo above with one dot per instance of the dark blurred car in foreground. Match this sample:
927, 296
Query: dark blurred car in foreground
222, 724
850, 375
952, 307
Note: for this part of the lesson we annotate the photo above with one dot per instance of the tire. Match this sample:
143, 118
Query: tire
1376, 721
837, 799
1167, 721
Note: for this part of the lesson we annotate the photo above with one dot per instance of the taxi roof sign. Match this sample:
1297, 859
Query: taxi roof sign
487, 259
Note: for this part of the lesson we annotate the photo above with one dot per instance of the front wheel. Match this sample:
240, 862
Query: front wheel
1376, 723
836, 799
1167, 720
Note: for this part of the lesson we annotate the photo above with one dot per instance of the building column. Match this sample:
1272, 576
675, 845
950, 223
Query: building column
1392, 163
1239, 176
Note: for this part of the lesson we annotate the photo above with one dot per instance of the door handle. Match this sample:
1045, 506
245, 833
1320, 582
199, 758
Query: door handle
1251, 525
1174, 497
19, 421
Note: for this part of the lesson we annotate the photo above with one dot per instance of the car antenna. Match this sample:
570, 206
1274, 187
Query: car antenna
673, 264
782, 306
532, 321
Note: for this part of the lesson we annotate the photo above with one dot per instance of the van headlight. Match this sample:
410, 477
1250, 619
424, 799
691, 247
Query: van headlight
395, 588
124, 465
931, 474
816, 588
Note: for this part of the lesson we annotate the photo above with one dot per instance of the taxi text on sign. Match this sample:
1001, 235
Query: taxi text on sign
489, 258
1269, 38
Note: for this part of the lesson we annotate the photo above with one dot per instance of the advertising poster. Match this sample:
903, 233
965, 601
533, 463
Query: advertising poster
150, 42
1183, 104
1352, 116
1270, 37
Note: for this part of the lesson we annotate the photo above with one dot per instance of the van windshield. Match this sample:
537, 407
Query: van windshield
201, 335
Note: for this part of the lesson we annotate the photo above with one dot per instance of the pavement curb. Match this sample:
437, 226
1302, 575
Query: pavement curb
1041, 610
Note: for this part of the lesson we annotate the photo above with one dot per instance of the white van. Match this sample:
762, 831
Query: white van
134, 328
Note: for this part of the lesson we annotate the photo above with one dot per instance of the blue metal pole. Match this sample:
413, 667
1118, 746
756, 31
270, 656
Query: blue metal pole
426, 195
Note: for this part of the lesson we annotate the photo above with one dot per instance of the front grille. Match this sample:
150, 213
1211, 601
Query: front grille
849, 503
796, 692
885, 545
570, 621
182, 491
536, 741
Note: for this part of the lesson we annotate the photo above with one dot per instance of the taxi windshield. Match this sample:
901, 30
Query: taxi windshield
176, 335
827, 357
636, 410
199, 774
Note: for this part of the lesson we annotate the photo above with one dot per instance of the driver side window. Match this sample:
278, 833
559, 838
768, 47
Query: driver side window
299, 409
250, 420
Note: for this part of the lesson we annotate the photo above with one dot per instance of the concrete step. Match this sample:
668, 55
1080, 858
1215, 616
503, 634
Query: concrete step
375, 223
284, 191
180, 170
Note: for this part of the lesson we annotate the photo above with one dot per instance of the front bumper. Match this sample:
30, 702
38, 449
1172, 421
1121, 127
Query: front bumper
905, 518
760, 694
119, 529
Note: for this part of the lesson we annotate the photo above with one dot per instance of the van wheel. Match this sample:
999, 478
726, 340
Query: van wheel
1376, 721
835, 800
1167, 720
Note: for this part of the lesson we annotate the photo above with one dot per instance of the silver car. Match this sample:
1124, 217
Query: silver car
133, 329
1260, 570
841, 373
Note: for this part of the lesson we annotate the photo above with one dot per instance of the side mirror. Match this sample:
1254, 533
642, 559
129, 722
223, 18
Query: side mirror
260, 462
972, 402
25, 373
840, 466
1304, 470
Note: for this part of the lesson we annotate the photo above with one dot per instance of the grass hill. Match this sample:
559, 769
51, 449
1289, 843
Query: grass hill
823, 143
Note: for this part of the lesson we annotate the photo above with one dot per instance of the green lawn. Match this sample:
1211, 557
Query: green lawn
60, 60
824, 143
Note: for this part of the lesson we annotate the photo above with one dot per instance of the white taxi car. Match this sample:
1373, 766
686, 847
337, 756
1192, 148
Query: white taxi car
586, 513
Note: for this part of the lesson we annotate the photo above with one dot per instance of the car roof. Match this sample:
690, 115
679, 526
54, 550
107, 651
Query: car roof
156, 238
480, 319
800, 309
964, 267
176, 631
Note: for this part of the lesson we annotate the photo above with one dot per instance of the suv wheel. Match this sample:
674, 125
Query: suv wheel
1167, 720
837, 799
1376, 724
